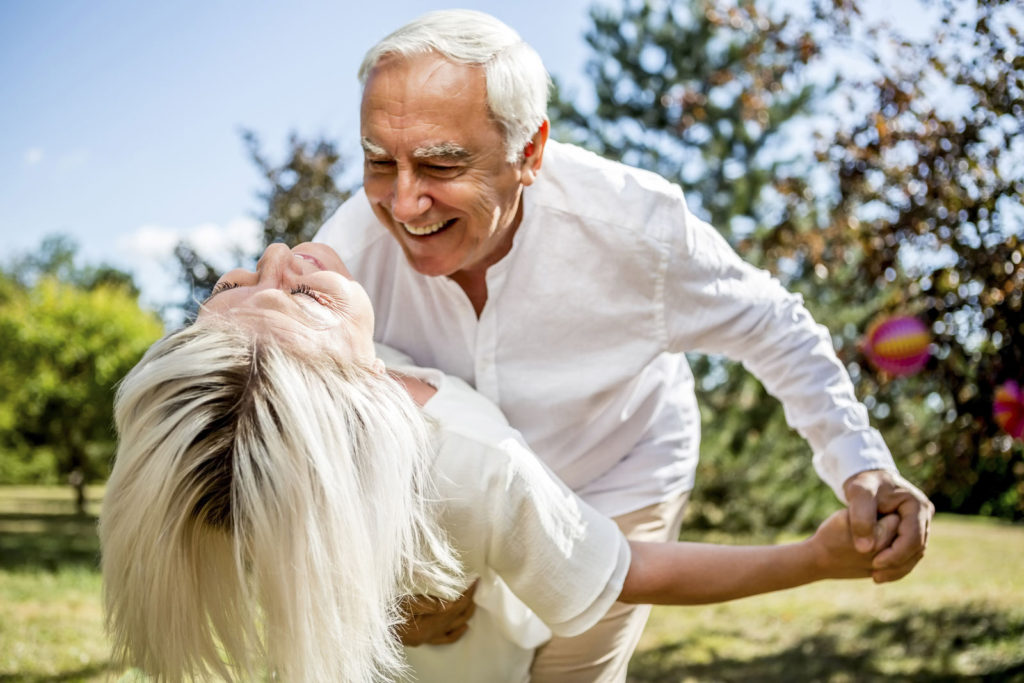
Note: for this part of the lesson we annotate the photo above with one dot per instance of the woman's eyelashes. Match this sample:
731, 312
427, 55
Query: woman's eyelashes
303, 289
312, 294
221, 286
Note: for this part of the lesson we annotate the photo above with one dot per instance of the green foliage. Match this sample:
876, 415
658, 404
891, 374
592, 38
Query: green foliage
895, 191
701, 93
947, 245
65, 347
924, 217
302, 194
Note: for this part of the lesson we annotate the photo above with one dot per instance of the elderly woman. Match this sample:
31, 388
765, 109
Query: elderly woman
277, 492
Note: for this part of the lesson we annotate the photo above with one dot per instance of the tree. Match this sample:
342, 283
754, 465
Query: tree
929, 193
702, 93
68, 335
303, 192
885, 202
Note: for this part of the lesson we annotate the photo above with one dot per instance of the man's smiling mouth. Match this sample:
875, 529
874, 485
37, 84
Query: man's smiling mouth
422, 231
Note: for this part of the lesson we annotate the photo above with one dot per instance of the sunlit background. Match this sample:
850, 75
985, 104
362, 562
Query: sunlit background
120, 121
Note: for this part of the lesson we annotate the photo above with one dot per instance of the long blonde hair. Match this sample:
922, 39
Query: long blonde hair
266, 512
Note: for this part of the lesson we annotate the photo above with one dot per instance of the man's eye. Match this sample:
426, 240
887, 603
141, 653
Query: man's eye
380, 163
439, 169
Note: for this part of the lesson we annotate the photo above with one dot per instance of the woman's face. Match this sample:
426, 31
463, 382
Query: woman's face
304, 295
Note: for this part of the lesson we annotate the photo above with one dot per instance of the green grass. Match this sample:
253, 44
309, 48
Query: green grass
959, 616
50, 618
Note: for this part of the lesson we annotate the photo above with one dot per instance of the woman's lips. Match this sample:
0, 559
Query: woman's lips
312, 259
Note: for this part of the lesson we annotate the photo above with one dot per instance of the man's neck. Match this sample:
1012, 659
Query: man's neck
474, 284
473, 280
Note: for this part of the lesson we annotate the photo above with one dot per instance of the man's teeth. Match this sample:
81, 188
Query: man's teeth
424, 229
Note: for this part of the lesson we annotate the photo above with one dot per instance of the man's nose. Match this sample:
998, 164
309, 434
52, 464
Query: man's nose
410, 199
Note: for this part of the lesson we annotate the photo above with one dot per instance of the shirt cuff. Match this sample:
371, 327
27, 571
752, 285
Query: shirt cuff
849, 454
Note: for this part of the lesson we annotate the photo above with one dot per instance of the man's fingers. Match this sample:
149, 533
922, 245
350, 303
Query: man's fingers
908, 543
450, 636
895, 573
861, 497
424, 604
432, 621
470, 609
885, 530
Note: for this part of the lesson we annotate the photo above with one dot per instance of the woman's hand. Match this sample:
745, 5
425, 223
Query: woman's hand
835, 553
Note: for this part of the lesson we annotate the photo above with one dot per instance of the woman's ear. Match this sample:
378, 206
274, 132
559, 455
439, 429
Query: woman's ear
533, 154
378, 366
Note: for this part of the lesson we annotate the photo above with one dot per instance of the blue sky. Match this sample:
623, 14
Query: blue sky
120, 120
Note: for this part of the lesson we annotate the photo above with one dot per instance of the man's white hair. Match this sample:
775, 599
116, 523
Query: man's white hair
265, 514
517, 82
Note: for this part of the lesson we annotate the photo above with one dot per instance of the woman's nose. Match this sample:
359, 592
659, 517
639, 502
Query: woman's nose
277, 262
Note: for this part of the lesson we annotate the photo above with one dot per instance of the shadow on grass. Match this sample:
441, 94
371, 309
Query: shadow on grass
48, 542
85, 673
953, 644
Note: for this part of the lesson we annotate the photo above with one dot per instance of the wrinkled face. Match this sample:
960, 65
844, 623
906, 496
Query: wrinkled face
435, 168
305, 296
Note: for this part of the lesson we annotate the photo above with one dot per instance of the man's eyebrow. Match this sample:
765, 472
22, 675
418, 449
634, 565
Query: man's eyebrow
445, 150
372, 148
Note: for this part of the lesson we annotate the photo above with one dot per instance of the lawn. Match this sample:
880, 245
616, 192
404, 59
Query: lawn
960, 616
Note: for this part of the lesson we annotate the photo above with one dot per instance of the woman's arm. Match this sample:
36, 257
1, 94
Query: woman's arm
701, 573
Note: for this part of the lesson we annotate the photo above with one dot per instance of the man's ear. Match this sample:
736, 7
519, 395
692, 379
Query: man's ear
533, 154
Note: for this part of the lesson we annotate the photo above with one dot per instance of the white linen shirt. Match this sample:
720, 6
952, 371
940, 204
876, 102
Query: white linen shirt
546, 561
609, 281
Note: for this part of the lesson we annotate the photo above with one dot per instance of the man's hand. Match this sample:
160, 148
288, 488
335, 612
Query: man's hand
432, 621
875, 493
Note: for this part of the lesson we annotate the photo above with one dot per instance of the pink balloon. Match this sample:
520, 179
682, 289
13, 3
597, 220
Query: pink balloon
897, 345
1008, 409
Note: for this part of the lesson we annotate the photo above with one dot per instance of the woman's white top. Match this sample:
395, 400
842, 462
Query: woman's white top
547, 562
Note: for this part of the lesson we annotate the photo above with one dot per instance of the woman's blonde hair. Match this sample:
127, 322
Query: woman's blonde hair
265, 514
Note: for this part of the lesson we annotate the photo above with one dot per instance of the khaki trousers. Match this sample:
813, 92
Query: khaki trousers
601, 654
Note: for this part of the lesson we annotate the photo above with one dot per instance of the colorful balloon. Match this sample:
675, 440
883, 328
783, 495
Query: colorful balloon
897, 345
1009, 409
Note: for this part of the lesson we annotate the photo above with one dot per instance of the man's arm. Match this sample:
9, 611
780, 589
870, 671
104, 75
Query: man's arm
701, 573
740, 311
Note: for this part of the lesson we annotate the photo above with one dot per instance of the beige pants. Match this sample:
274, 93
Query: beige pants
601, 654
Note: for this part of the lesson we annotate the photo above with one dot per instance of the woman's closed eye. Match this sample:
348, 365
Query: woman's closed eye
221, 286
312, 294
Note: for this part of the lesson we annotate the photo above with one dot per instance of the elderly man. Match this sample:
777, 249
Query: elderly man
569, 295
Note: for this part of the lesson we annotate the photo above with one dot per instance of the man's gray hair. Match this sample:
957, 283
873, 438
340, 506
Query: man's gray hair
517, 82
265, 513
